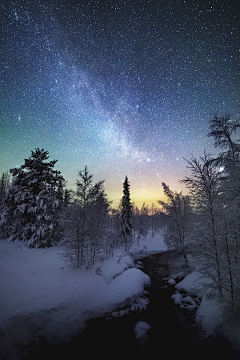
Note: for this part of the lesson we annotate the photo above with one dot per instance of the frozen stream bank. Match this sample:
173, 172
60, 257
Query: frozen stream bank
162, 328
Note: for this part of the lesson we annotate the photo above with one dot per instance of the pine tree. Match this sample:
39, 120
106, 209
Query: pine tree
34, 201
4, 188
126, 215
67, 197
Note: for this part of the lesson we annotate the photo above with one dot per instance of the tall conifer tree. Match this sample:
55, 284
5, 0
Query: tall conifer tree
126, 215
34, 200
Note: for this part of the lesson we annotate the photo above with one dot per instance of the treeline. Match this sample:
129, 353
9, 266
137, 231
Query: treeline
37, 207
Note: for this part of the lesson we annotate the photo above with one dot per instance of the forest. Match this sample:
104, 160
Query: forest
38, 208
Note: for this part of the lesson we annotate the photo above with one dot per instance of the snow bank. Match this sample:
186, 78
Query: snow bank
146, 246
44, 300
209, 315
115, 266
210, 311
194, 283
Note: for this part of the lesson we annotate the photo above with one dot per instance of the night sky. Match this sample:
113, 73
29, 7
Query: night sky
124, 87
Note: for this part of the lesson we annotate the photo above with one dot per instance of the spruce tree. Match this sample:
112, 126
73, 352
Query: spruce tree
126, 215
4, 186
34, 201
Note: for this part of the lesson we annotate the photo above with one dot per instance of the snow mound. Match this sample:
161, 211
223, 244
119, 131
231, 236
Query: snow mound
171, 281
209, 314
140, 329
138, 305
185, 301
177, 298
115, 267
194, 283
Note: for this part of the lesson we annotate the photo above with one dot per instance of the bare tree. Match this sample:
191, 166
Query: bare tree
223, 130
177, 208
85, 229
203, 185
154, 211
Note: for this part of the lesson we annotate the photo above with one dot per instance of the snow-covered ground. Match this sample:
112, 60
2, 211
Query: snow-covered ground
147, 246
44, 301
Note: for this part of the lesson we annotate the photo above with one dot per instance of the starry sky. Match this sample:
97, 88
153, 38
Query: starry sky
124, 87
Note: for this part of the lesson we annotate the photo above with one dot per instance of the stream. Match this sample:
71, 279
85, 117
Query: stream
172, 331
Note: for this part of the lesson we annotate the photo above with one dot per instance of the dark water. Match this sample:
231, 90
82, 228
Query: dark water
173, 332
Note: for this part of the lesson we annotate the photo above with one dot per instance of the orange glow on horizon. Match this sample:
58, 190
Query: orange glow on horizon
139, 195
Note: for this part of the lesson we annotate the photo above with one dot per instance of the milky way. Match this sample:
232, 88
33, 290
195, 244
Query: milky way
124, 87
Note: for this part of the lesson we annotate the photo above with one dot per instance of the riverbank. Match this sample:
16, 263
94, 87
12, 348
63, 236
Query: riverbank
44, 301
160, 327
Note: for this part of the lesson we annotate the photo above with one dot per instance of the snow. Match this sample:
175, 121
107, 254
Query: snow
111, 269
209, 315
147, 246
141, 328
177, 298
44, 300
193, 283
210, 310
171, 281
138, 305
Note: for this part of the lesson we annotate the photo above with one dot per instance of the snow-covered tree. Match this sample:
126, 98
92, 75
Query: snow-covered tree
115, 227
86, 228
154, 211
34, 201
67, 197
4, 186
203, 185
100, 238
144, 219
224, 130
178, 209
126, 215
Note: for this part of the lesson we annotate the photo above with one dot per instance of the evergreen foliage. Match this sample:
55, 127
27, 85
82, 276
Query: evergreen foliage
126, 215
34, 201
4, 186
